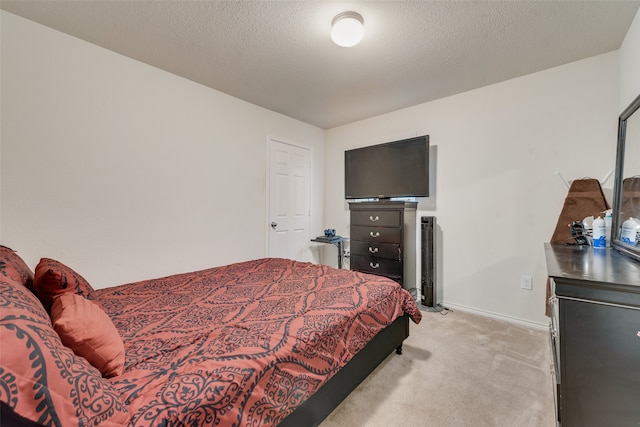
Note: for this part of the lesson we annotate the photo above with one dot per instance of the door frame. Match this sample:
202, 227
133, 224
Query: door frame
272, 138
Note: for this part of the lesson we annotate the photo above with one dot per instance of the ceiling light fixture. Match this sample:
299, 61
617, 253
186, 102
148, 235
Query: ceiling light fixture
347, 29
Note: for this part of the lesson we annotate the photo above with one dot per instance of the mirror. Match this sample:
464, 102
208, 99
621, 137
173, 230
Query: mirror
626, 192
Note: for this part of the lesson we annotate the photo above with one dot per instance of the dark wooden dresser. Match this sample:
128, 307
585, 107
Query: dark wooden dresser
383, 240
595, 335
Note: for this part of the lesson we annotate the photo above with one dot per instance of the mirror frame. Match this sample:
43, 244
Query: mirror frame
616, 224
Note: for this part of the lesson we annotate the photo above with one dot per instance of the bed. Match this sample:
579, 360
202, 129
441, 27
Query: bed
267, 342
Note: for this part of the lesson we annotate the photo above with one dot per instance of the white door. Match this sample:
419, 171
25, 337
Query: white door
289, 194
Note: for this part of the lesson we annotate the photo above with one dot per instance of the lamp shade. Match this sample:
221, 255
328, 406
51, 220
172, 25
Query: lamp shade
347, 29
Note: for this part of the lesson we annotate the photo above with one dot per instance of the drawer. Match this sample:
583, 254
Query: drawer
377, 218
375, 249
380, 266
376, 234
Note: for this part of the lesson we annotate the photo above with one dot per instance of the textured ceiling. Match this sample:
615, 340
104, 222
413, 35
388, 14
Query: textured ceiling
279, 55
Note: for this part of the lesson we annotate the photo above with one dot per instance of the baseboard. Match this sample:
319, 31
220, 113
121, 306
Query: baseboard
523, 322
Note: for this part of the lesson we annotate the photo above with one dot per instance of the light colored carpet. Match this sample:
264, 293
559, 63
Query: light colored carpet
458, 369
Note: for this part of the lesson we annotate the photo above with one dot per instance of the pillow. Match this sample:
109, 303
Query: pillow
54, 278
12, 266
42, 380
89, 332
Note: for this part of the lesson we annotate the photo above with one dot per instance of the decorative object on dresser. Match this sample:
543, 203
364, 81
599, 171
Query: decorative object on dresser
595, 335
383, 240
584, 198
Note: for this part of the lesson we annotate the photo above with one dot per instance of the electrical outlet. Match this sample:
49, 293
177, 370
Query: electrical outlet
526, 282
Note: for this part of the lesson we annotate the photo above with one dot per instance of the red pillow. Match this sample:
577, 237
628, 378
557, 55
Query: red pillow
89, 332
53, 278
41, 379
13, 267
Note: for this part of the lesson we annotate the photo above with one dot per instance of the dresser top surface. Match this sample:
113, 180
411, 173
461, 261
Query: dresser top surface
381, 205
586, 264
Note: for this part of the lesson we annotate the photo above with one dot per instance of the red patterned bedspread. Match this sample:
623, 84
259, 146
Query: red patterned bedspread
243, 344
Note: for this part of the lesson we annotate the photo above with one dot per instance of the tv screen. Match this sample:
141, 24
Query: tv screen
393, 169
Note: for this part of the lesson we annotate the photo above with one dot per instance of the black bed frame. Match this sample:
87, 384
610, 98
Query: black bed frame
327, 398
315, 409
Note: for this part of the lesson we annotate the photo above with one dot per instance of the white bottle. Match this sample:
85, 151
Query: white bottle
599, 233
629, 231
607, 225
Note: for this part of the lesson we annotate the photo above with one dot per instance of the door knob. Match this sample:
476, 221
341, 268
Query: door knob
274, 224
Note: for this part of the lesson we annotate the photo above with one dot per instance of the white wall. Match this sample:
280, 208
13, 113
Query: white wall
127, 172
497, 199
630, 64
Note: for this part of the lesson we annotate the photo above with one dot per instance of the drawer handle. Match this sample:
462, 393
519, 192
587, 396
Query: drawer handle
374, 218
372, 265
376, 234
373, 250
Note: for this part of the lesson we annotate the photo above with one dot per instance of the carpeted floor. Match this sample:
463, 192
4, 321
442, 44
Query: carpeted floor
458, 369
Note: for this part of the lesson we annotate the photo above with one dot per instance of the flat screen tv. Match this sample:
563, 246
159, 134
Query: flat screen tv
394, 169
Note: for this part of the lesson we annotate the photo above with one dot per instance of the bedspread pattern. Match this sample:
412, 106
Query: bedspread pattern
243, 344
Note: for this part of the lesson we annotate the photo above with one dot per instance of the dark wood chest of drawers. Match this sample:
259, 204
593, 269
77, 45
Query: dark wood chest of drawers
595, 336
383, 240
